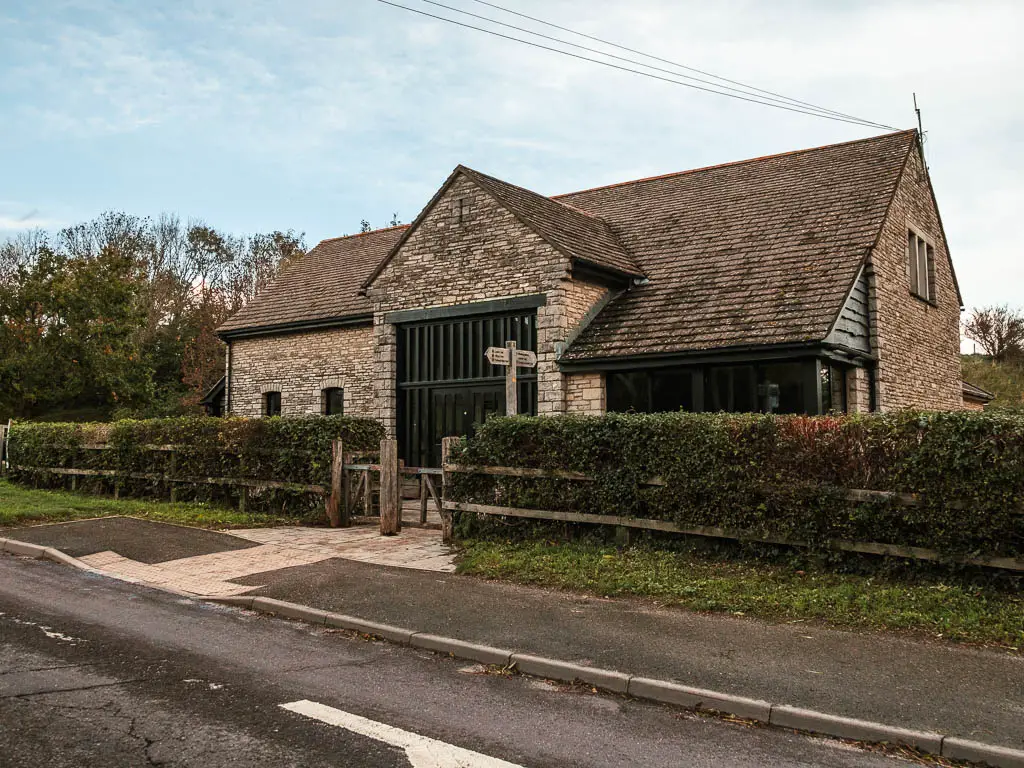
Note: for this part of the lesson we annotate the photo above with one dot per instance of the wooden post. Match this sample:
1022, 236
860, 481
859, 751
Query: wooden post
390, 501
368, 492
74, 478
337, 511
173, 473
243, 499
346, 488
423, 498
511, 381
447, 523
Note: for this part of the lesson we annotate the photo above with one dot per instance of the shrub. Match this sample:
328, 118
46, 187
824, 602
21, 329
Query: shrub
292, 450
773, 476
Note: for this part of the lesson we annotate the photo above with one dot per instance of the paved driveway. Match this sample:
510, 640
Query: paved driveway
212, 569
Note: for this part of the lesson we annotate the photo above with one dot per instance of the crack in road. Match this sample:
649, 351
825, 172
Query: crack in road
47, 669
72, 689
147, 742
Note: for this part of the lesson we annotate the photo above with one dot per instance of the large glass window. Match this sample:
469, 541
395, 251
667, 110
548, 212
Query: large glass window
629, 391
784, 387
672, 390
731, 388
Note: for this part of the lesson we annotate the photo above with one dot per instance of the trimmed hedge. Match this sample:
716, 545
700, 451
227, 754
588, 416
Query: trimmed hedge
772, 476
293, 450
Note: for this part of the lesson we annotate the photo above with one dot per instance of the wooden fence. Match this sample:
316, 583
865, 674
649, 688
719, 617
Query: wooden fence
626, 523
372, 486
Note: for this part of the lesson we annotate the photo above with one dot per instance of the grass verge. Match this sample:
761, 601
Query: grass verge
946, 610
26, 506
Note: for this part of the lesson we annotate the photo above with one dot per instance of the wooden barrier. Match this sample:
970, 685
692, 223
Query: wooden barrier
626, 523
390, 497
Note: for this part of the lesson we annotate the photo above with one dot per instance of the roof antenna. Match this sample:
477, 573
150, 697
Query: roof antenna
920, 135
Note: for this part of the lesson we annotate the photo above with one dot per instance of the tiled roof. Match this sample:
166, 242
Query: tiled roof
757, 252
322, 285
976, 393
579, 235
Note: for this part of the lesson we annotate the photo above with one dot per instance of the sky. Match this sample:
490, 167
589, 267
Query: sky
314, 115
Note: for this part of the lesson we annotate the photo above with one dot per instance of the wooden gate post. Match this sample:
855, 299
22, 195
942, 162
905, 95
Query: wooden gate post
173, 474
390, 498
447, 523
337, 508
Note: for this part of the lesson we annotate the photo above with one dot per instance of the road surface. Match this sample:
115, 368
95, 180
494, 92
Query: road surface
94, 672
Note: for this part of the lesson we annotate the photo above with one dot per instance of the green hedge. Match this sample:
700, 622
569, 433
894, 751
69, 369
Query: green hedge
773, 476
294, 450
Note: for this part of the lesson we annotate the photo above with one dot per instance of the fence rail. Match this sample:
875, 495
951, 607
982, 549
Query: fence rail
622, 522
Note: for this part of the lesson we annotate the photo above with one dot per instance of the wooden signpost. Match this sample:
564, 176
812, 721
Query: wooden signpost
512, 359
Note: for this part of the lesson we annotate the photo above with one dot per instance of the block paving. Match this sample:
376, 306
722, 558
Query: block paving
213, 574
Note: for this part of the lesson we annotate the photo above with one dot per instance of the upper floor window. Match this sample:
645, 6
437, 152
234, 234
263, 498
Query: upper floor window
271, 403
921, 265
332, 401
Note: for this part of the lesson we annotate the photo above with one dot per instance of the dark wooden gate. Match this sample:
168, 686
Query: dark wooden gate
445, 385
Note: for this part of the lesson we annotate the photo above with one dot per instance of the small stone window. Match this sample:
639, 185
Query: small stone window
271, 403
332, 401
460, 210
921, 266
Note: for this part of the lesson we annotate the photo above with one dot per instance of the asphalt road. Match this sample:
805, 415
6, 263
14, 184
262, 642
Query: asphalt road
94, 672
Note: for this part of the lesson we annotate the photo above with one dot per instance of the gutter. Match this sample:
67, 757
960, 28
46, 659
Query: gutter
295, 327
752, 352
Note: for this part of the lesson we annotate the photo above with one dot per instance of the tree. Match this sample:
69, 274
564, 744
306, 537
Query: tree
999, 331
120, 312
364, 226
69, 337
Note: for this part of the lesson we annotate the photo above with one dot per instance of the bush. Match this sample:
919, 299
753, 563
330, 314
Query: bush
293, 450
773, 476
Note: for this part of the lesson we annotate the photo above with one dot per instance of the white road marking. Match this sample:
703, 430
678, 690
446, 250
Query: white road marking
50, 632
422, 752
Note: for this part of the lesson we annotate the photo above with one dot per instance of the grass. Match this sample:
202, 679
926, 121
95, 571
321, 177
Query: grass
1004, 380
26, 506
950, 611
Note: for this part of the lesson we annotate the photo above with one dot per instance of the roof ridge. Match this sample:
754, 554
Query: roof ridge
363, 234
571, 207
673, 174
488, 182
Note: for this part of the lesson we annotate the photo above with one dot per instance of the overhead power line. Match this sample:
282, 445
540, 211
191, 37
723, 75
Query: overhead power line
751, 99
744, 89
673, 63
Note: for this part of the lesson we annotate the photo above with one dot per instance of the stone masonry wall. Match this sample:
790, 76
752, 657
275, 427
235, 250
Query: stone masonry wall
299, 366
917, 342
585, 393
486, 253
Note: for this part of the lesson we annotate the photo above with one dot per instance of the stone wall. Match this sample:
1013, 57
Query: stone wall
917, 342
585, 393
469, 248
300, 366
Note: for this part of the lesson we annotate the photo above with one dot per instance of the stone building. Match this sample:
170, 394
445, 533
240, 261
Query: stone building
808, 282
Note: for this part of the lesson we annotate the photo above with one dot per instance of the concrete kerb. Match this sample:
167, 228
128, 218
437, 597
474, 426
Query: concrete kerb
976, 752
849, 728
660, 691
22, 549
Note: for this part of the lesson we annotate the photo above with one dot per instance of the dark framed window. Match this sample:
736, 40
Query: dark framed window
798, 386
332, 401
629, 391
921, 266
271, 403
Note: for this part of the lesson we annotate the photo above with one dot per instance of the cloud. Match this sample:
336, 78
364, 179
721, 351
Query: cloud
369, 107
